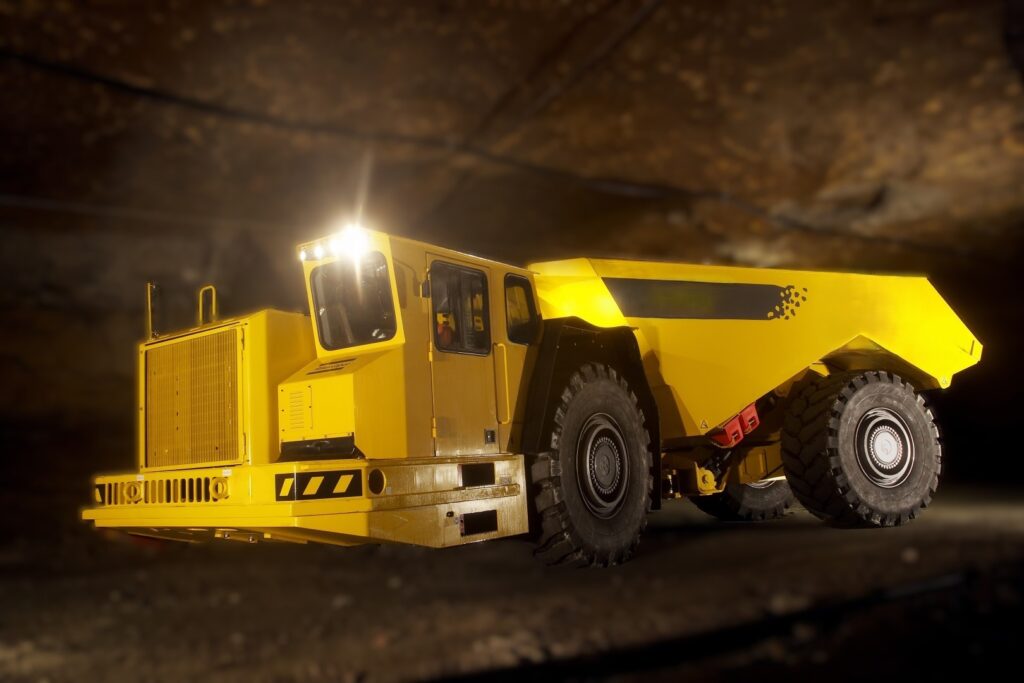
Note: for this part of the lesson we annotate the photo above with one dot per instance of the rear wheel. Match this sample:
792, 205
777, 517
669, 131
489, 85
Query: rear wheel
861, 449
748, 502
592, 489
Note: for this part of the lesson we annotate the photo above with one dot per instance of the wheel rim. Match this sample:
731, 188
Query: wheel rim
761, 484
602, 465
885, 448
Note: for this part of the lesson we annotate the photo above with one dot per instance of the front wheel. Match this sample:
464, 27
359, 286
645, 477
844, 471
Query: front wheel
861, 449
592, 489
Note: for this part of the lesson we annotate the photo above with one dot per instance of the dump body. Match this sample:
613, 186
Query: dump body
714, 338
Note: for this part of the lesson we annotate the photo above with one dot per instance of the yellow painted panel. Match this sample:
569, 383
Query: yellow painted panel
465, 403
276, 344
318, 402
707, 366
381, 404
313, 486
343, 483
414, 396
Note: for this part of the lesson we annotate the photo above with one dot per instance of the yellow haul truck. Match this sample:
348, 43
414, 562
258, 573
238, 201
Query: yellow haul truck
437, 398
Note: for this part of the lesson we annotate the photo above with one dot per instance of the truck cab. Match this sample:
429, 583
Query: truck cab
419, 351
387, 414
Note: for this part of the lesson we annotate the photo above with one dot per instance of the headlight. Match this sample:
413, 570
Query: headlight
352, 241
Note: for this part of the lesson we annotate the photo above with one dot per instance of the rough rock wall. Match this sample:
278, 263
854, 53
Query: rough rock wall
198, 141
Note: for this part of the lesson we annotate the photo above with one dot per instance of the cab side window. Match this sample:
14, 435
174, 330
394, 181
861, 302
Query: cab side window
461, 315
520, 310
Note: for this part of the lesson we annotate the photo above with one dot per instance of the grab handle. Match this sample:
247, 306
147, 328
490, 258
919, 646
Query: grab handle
505, 386
201, 314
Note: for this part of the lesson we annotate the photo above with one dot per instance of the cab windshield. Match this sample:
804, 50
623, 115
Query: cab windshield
352, 302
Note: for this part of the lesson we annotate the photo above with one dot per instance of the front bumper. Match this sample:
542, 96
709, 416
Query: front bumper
433, 502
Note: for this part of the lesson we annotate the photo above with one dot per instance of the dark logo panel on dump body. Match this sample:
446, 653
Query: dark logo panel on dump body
686, 300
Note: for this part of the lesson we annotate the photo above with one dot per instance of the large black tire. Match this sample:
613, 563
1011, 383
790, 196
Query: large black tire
861, 449
748, 502
592, 489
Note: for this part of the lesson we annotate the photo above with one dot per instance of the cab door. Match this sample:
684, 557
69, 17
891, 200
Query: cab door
462, 361
516, 328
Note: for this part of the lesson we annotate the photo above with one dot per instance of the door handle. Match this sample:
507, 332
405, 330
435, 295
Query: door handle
505, 390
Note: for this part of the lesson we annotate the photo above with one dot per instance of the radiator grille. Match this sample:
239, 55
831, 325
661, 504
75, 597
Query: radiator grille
192, 401
173, 491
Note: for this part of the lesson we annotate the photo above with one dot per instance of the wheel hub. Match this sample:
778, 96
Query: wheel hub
885, 448
605, 465
602, 466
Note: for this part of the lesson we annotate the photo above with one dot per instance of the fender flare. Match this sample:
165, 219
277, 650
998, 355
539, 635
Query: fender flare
565, 345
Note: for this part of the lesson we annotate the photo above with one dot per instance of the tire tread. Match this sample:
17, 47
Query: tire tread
810, 452
558, 544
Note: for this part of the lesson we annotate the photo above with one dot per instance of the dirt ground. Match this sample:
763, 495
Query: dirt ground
701, 598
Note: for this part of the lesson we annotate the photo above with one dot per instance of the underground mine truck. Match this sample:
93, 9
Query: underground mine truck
437, 398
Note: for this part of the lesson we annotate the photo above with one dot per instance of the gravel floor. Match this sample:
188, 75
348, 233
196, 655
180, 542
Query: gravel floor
107, 608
